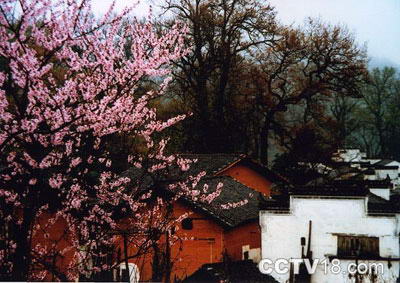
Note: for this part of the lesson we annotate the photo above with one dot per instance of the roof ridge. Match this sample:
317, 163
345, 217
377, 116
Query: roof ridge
236, 181
237, 157
227, 166
270, 170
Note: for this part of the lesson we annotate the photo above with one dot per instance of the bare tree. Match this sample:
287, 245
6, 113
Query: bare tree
306, 67
222, 33
246, 70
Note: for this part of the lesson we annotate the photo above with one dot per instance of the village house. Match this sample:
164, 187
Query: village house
349, 217
211, 233
369, 168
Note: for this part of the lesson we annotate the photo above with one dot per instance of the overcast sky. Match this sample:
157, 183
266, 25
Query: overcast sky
375, 22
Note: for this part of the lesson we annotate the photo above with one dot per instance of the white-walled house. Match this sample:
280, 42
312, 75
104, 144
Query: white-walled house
385, 169
345, 222
349, 155
371, 168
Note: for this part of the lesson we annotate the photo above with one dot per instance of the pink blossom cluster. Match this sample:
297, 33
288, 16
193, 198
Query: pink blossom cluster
69, 84
230, 205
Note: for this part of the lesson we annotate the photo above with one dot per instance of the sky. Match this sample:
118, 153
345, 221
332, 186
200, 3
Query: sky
374, 22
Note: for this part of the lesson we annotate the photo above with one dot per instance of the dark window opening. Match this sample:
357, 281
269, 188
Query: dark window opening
246, 255
187, 224
125, 275
358, 246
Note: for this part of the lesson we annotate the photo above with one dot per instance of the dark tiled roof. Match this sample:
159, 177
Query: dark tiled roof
342, 172
378, 205
331, 190
369, 171
232, 192
211, 163
384, 162
380, 167
373, 184
276, 203
244, 271
263, 170
139, 177
344, 163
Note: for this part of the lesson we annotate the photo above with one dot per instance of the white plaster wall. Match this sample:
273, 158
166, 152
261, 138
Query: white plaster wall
393, 163
281, 233
254, 254
351, 155
383, 173
370, 177
393, 174
383, 193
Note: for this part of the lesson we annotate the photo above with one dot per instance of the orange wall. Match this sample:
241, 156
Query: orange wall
58, 240
248, 177
250, 233
207, 241
199, 251
203, 244
247, 234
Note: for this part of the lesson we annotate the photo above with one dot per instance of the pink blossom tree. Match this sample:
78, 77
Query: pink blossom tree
67, 86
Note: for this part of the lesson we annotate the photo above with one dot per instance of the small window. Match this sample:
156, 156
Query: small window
358, 246
246, 255
187, 224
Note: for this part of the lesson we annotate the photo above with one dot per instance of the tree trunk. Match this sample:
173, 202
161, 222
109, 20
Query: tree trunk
22, 258
203, 120
263, 146
156, 265
167, 260
126, 276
